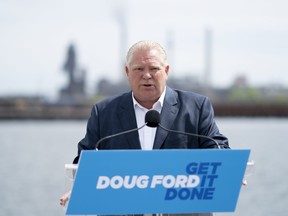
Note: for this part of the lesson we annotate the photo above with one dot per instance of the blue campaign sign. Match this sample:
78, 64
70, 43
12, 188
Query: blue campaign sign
158, 181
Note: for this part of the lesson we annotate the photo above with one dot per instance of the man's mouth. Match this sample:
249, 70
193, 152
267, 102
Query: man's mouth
148, 86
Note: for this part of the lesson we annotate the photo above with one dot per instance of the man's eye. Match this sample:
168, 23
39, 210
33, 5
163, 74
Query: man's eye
155, 69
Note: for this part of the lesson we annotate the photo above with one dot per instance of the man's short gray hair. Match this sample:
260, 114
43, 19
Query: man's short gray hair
146, 45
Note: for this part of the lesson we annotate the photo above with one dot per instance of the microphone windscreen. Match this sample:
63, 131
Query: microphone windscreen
152, 118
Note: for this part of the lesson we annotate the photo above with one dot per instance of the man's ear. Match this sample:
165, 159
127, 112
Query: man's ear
167, 69
126, 70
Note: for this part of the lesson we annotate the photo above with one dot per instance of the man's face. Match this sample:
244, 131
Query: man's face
147, 76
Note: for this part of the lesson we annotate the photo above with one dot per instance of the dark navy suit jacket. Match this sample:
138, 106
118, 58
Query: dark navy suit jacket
182, 111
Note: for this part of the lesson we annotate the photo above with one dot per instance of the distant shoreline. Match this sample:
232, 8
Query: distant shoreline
81, 112
251, 110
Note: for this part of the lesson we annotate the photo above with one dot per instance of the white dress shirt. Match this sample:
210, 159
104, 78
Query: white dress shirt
147, 134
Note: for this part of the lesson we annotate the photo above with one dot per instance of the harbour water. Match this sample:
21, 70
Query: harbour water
33, 154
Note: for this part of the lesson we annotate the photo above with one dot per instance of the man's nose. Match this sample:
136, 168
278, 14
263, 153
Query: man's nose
147, 74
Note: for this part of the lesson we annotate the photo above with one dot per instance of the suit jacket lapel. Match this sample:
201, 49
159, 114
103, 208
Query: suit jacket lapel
168, 115
127, 120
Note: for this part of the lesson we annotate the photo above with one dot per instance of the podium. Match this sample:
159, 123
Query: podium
118, 182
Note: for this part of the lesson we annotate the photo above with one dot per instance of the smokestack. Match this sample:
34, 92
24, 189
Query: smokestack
120, 15
170, 46
208, 58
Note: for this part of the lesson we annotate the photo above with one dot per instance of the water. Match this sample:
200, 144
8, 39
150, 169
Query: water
33, 154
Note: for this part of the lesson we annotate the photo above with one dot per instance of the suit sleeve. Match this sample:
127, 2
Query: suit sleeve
208, 127
92, 134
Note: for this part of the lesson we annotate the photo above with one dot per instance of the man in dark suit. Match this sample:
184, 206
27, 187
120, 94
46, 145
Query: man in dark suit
147, 72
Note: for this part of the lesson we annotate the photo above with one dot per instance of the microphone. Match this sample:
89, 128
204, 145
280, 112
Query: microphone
117, 134
152, 119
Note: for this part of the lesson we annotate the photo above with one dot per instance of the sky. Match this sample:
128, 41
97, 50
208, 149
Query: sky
249, 38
